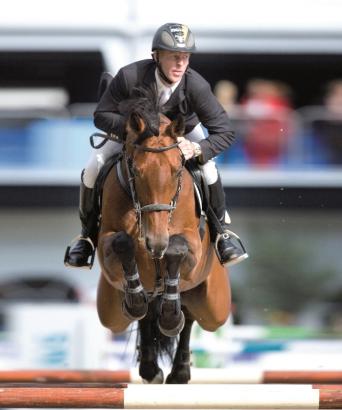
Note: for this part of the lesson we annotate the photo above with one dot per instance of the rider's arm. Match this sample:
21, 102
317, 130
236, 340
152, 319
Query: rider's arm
107, 116
214, 118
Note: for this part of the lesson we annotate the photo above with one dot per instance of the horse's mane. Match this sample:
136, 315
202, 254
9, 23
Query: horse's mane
143, 103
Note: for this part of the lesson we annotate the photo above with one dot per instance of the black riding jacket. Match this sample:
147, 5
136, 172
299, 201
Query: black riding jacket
192, 98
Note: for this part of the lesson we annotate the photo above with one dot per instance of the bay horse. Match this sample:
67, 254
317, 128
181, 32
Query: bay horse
155, 268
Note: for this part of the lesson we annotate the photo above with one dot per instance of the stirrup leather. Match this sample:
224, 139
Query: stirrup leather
227, 234
89, 264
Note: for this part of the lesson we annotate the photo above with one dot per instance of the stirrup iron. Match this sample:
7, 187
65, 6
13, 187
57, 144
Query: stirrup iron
89, 264
227, 234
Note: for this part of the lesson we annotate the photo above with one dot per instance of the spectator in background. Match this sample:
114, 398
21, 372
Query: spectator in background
226, 93
266, 106
333, 98
328, 128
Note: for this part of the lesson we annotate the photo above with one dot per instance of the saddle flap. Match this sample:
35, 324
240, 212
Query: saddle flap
101, 178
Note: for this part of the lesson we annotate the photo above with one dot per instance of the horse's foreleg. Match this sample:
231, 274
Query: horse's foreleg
135, 303
148, 348
171, 319
180, 373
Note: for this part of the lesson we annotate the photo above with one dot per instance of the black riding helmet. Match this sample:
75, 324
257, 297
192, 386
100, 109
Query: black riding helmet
172, 37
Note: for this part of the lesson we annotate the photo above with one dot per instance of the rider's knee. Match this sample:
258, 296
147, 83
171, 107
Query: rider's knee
210, 172
89, 176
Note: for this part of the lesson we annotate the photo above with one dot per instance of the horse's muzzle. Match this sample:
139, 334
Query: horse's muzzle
157, 246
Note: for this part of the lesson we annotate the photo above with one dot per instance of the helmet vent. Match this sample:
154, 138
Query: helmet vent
190, 41
167, 39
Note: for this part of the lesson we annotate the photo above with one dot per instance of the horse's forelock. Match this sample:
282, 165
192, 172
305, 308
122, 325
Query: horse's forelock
143, 103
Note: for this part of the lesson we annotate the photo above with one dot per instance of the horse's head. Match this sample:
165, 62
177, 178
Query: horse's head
155, 166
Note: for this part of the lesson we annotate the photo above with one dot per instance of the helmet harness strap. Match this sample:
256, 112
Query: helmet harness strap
155, 57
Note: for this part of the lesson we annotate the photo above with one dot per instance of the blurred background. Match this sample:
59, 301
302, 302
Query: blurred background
277, 70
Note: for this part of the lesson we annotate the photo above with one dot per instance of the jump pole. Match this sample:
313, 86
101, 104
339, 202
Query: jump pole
69, 376
198, 375
257, 376
175, 397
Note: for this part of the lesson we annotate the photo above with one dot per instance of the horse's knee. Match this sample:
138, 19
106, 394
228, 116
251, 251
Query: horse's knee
122, 243
123, 247
178, 247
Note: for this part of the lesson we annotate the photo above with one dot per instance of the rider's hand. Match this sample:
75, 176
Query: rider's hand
187, 147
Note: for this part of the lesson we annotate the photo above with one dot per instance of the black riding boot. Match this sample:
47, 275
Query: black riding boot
227, 251
83, 249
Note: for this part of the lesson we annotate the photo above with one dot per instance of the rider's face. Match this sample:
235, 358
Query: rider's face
173, 64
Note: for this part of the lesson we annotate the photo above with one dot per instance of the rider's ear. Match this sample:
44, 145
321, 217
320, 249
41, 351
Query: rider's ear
136, 123
177, 127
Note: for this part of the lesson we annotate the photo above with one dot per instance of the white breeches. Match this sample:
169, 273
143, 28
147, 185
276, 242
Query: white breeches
100, 156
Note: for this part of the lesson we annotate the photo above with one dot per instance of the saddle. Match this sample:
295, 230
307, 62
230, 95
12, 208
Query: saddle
101, 179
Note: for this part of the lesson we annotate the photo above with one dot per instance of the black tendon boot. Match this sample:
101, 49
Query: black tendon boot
227, 252
82, 252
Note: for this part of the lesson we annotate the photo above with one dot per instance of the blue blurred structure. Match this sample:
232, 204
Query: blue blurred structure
56, 143
61, 143
14, 146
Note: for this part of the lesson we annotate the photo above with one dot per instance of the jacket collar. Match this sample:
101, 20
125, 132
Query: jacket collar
177, 96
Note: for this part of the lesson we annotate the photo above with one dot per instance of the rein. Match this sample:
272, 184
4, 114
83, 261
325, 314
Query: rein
159, 149
139, 210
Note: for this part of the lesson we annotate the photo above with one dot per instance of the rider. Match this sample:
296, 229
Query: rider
180, 90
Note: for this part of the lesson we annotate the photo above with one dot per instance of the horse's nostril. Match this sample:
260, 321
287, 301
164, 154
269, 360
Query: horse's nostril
148, 244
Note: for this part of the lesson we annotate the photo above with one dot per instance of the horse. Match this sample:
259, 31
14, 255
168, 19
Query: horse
155, 266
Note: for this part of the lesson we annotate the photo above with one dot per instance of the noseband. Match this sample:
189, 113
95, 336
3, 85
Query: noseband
152, 207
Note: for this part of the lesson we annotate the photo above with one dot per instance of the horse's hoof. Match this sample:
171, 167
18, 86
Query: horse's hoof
179, 376
128, 312
176, 330
158, 378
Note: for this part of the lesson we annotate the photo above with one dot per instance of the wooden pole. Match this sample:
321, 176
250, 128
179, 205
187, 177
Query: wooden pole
62, 376
299, 377
198, 376
65, 397
175, 397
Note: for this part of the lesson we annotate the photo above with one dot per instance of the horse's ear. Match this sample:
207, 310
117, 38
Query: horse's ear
177, 127
136, 123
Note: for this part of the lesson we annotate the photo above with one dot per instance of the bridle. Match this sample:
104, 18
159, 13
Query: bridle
139, 210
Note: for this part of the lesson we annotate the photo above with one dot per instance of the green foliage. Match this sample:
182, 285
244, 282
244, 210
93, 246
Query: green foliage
280, 276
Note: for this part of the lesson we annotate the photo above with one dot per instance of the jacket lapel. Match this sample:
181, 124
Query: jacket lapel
177, 96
